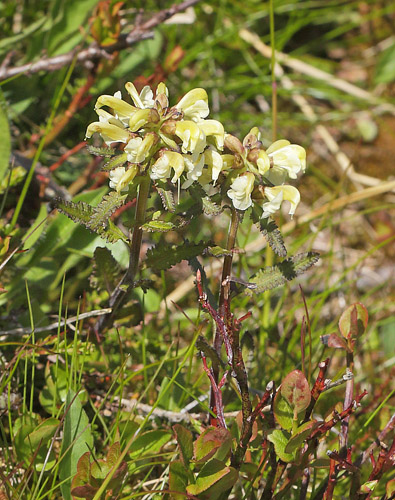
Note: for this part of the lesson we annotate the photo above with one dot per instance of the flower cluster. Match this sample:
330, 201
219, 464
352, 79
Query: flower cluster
181, 144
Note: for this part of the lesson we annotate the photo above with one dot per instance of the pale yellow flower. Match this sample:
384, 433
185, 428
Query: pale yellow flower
193, 138
276, 195
120, 178
285, 160
168, 160
194, 105
143, 100
240, 191
109, 132
213, 128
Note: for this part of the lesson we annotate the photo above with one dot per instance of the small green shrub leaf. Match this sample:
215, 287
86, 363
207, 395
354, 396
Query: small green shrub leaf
178, 480
214, 472
353, 321
333, 340
280, 440
42, 433
149, 443
300, 435
283, 412
296, 390
209, 442
185, 443
270, 231
272, 277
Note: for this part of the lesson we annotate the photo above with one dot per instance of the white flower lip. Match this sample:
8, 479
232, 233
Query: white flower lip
276, 195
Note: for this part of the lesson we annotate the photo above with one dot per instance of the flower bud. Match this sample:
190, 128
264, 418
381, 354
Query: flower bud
233, 144
251, 140
169, 127
109, 132
142, 117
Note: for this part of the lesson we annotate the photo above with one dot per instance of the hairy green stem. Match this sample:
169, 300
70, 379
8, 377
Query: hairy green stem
121, 292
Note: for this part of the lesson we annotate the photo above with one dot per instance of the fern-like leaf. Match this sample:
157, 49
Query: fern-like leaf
210, 207
111, 233
116, 161
164, 257
272, 277
104, 210
270, 231
107, 152
78, 212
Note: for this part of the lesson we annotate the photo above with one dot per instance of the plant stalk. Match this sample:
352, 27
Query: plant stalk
122, 290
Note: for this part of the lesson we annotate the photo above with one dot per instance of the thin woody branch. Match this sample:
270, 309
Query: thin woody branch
95, 52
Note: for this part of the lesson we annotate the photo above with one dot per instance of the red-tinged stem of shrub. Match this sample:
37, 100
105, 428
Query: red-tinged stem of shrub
328, 495
318, 387
343, 437
224, 293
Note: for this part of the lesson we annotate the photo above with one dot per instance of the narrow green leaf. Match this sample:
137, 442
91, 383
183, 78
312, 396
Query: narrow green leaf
165, 256
77, 439
270, 231
178, 480
185, 443
149, 443
5, 138
272, 277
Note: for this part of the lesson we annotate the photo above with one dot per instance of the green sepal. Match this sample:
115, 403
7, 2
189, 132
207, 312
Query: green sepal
270, 231
116, 161
272, 277
163, 257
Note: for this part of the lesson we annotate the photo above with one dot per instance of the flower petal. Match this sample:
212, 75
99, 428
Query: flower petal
240, 191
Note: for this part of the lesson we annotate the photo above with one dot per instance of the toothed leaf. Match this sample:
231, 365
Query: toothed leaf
112, 233
270, 231
272, 277
78, 212
158, 226
210, 207
105, 209
105, 270
116, 161
165, 256
167, 199
218, 251
101, 151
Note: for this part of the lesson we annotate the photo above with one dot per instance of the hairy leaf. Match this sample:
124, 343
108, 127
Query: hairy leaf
116, 161
272, 277
101, 151
218, 251
104, 210
165, 256
270, 231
